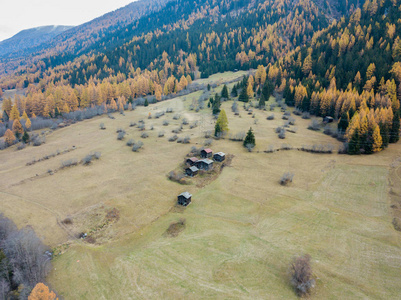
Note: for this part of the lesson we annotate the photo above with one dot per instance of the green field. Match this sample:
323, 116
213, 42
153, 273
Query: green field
242, 230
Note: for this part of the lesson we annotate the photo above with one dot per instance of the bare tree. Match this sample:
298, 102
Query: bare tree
301, 275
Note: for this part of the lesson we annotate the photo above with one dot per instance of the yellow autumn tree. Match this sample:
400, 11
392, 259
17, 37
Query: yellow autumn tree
9, 137
42, 292
377, 140
28, 124
17, 127
260, 76
14, 114
307, 65
24, 116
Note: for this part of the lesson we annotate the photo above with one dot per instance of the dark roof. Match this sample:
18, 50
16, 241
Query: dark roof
220, 154
207, 161
186, 195
208, 150
193, 159
194, 169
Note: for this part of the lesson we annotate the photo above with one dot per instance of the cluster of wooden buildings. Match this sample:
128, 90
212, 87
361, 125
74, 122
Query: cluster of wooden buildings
195, 164
205, 163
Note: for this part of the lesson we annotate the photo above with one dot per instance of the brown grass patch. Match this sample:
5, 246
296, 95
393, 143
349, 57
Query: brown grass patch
176, 228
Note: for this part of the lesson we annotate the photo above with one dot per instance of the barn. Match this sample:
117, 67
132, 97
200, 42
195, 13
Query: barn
219, 156
206, 153
192, 171
191, 161
204, 164
184, 199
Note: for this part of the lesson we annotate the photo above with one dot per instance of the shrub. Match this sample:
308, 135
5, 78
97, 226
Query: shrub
21, 146
177, 177
238, 137
301, 275
185, 121
166, 123
208, 134
141, 127
87, 160
144, 135
271, 117
110, 116
177, 117
121, 135
281, 135
305, 115
193, 125
161, 134
208, 142
173, 138
37, 140
286, 178
130, 142
119, 130
291, 121
195, 151
179, 140
132, 124
169, 110
297, 112
177, 130
186, 140
314, 125
69, 163
67, 221
138, 145
102, 126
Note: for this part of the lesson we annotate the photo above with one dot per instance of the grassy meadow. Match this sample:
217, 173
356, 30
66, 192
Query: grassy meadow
241, 231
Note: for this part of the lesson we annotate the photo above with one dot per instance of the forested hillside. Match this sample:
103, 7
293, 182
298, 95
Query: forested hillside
328, 70
79, 39
30, 38
352, 66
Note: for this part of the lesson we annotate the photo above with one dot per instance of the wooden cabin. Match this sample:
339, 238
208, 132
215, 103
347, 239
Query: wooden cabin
191, 171
204, 164
191, 161
328, 119
219, 156
206, 153
184, 199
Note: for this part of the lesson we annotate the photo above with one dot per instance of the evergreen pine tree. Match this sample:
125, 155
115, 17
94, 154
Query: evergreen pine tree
224, 92
262, 102
25, 137
250, 139
146, 102
343, 123
243, 96
353, 144
234, 91
217, 130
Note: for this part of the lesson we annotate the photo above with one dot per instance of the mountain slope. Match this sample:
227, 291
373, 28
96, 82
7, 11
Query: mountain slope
78, 39
29, 38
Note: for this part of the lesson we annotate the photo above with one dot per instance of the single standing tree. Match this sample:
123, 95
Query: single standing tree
9, 137
243, 96
42, 292
377, 140
221, 123
224, 92
301, 275
146, 102
17, 128
262, 102
234, 91
14, 114
250, 139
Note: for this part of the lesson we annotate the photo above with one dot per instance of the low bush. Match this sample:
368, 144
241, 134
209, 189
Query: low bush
69, 163
208, 142
305, 115
176, 117
286, 178
173, 138
144, 135
271, 117
238, 137
121, 135
138, 145
185, 121
166, 123
161, 134
130, 142
132, 124
314, 125
102, 126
